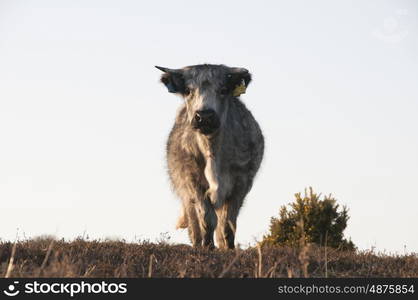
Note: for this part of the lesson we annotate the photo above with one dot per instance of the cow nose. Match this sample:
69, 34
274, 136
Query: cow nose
206, 121
202, 116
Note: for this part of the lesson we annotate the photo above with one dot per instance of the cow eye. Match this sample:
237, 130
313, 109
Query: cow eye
187, 91
224, 91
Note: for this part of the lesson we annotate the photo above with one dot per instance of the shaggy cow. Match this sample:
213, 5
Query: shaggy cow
214, 150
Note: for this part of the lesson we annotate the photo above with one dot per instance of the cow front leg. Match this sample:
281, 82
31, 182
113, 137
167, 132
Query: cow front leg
207, 222
225, 229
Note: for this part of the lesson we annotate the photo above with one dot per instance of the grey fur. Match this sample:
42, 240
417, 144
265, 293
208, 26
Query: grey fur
212, 173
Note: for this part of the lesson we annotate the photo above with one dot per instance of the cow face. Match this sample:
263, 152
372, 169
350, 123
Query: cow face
207, 91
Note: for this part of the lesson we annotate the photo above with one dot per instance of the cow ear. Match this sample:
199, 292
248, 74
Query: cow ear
173, 79
238, 80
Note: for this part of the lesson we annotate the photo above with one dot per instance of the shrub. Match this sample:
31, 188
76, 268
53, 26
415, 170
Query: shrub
311, 220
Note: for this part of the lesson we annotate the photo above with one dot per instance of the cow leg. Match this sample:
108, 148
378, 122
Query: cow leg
207, 221
193, 224
225, 229
220, 227
228, 213
182, 220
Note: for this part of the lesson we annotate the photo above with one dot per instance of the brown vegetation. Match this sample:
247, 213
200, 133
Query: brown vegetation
80, 258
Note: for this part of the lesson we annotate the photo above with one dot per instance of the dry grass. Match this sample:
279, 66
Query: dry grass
80, 258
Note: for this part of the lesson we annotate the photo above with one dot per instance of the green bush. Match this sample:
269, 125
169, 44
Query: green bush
310, 220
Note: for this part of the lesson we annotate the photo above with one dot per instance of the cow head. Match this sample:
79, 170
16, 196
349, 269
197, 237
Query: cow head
207, 91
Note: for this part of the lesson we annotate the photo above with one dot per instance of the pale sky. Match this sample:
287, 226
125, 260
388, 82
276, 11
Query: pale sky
84, 119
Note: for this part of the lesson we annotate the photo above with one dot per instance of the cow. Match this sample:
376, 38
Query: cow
214, 150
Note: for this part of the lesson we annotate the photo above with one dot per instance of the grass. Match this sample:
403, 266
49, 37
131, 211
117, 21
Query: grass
81, 258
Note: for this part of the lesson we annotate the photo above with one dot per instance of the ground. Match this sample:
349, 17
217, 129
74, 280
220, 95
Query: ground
82, 258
